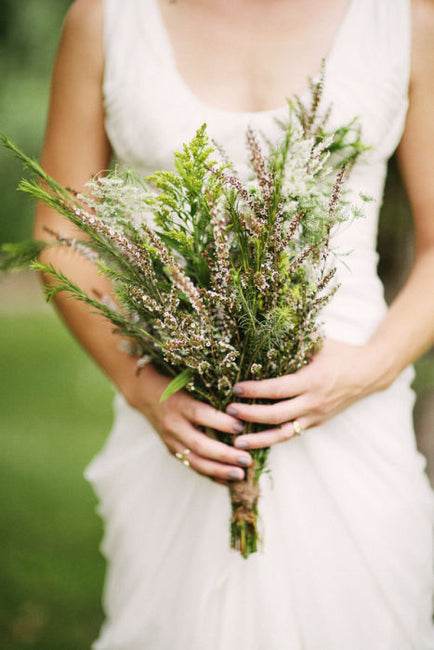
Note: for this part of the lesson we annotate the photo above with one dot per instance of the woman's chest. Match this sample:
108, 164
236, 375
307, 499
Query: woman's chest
249, 56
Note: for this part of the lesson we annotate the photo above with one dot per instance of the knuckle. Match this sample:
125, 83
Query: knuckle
219, 473
321, 377
198, 412
219, 421
283, 388
226, 425
275, 417
281, 392
199, 469
198, 445
320, 407
193, 411
207, 470
167, 422
220, 456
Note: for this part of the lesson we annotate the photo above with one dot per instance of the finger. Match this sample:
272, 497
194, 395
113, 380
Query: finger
276, 413
270, 436
208, 416
219, 481
220, 472
202, 445
275, 388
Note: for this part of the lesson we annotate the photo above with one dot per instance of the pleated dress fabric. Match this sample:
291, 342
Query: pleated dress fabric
347, 517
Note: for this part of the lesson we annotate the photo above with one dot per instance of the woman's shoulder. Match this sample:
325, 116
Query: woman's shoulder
422, 35
82, 33
84, 21
422, 51
85, 14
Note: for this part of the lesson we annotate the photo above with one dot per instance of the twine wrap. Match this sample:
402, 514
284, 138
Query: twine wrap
244, 498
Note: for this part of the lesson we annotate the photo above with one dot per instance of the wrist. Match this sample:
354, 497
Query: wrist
141, 387
382, 364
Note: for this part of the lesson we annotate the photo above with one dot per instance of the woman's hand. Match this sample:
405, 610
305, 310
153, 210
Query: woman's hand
338, 376
175, 421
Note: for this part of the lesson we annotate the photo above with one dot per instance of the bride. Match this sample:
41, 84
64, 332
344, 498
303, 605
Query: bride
347, 560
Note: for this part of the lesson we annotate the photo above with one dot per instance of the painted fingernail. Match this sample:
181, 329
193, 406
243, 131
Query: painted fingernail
231, 411
241, 444
238, 390
244, 460
237, 427
235, 473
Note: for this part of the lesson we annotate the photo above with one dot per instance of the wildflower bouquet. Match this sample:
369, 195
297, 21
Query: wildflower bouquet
216, 281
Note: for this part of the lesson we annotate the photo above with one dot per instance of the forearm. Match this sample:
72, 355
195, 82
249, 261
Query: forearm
407, 331
91, 329
408, 328
76, 147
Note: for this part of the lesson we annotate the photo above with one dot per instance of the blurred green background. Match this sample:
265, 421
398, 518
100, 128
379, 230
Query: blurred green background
55, 405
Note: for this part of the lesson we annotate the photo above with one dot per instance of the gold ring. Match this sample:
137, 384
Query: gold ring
298, 429
183, 457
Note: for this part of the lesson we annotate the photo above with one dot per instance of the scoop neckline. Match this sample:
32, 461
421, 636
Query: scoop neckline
191, 94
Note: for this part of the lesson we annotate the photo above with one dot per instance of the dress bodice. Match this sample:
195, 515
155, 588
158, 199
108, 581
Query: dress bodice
151, 111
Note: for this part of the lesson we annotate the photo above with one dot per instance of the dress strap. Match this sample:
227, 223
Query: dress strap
131, 37
379, 33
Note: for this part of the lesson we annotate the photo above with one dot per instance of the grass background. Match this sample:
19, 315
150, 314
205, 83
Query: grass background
55, 405
55, 408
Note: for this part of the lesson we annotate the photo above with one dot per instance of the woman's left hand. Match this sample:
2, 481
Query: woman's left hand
338, 375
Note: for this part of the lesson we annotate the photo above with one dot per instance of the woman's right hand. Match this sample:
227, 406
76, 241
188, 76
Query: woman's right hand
175, 420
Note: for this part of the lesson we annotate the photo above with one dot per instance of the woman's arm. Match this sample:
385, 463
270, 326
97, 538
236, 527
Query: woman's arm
341, 374
408, 330
75, 148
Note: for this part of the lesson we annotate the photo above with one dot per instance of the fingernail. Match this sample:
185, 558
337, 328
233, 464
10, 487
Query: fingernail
241, 444
238, 390
235, 473
244, 460
231, 411
237, 427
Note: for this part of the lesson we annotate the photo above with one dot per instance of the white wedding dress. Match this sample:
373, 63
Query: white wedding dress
347, 559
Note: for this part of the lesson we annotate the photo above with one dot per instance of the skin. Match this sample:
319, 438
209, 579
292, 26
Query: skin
240, 43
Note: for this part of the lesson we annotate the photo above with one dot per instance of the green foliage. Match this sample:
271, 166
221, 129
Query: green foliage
20, 255
182, 207
55, 410
177, 384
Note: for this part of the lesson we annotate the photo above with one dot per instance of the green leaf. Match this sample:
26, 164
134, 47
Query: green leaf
20, 255
177, 383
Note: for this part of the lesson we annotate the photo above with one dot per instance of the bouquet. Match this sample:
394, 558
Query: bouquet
216, 280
